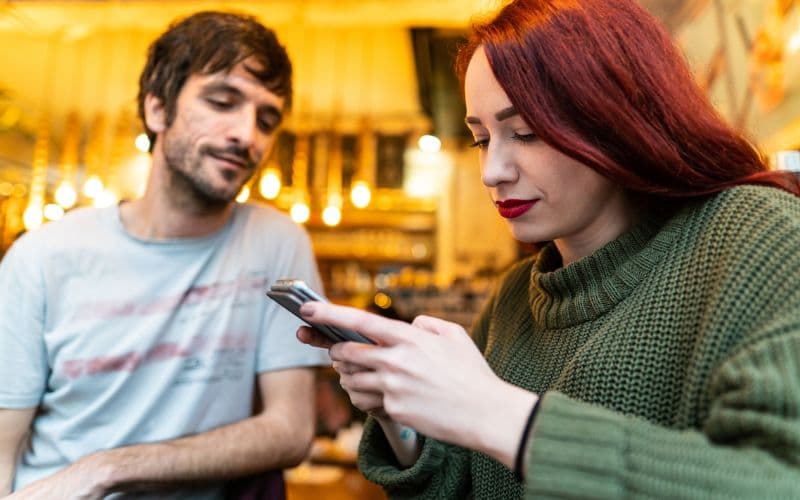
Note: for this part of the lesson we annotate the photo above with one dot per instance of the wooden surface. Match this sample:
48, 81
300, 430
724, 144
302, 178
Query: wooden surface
317, 482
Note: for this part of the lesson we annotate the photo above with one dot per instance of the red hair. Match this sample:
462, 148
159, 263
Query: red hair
602, 82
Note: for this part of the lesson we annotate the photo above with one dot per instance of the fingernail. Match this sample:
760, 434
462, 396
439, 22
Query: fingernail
307, 310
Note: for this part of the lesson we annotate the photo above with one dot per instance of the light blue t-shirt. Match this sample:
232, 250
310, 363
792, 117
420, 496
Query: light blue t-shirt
121, 341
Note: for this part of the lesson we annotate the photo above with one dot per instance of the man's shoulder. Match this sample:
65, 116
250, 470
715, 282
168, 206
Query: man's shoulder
75, 223
255, 216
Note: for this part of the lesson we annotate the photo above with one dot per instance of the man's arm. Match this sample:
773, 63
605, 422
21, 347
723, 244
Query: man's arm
14, 427
277, 437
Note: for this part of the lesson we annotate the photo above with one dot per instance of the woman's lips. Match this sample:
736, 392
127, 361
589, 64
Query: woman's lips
511, 209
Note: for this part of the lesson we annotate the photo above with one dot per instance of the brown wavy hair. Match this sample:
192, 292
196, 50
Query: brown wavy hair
206, 43
602, 82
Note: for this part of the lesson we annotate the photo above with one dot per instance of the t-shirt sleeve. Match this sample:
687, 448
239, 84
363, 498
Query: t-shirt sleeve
278, 347
23, 358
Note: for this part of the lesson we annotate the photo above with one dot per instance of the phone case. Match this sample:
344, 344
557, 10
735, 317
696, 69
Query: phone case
293, 293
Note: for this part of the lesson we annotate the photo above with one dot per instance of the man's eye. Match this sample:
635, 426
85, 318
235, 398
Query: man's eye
266, 125
219, 104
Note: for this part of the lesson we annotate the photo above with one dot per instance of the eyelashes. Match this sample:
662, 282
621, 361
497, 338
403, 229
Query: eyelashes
524, 137
483, 143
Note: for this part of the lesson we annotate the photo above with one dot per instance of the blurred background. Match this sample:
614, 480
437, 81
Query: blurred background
373, 159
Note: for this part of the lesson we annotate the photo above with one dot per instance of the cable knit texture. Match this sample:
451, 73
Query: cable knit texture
669, 363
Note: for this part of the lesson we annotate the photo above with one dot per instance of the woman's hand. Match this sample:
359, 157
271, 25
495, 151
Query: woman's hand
431, 377
308, 335
365, 401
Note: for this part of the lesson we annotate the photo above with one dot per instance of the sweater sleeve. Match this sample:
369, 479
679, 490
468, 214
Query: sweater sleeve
748, 446
441, 471
746, 443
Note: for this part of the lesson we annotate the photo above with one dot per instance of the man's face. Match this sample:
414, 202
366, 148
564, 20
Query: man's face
224, 124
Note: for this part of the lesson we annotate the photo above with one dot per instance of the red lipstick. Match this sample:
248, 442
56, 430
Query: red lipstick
512, 208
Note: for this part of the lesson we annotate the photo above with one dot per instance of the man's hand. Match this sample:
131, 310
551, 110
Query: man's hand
83, 480
277, 437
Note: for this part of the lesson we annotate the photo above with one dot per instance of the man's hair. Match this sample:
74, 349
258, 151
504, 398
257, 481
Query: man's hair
206, 43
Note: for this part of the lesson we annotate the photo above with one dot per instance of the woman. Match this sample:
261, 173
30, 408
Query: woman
652, 348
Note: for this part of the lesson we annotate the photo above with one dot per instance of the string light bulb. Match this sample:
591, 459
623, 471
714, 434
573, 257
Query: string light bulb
32, 217
300, 212
429, 143
360, 194
142, 143
53, 211
332, 215
270, 184
65, 195
93, 187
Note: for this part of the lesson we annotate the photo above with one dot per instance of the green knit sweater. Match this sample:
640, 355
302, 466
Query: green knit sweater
668, 361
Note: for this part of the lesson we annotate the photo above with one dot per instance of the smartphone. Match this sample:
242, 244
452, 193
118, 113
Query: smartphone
293, 293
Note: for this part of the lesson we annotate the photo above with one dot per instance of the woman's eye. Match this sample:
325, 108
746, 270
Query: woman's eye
524, 137
480, 143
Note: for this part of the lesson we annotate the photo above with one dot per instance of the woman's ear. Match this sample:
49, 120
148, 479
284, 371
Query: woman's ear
155, 115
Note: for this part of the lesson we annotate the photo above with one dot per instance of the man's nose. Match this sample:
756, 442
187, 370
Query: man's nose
243, 128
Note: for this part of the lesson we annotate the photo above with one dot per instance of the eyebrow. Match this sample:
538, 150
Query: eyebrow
501, 115
214, 87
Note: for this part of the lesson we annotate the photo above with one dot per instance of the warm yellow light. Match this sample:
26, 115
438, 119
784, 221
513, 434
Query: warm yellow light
382, 300
93, 187
66, 195
270, 184
332, 215
360, 194
244, 194
794, 42
419, 250
142, 143
32, 217
335, 199
300, 212
6, 188
429, 144
53, 211
10, 117
105, 199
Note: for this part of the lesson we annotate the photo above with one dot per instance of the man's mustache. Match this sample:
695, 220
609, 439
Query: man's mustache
233, 152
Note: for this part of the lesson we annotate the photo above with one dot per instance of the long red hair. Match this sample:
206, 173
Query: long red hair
602, 82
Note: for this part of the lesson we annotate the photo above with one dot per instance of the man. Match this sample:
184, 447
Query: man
133, 338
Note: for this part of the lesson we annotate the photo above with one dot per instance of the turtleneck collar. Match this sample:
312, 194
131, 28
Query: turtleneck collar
586, 289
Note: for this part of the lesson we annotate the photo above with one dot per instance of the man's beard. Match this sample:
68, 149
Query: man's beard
188, 186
